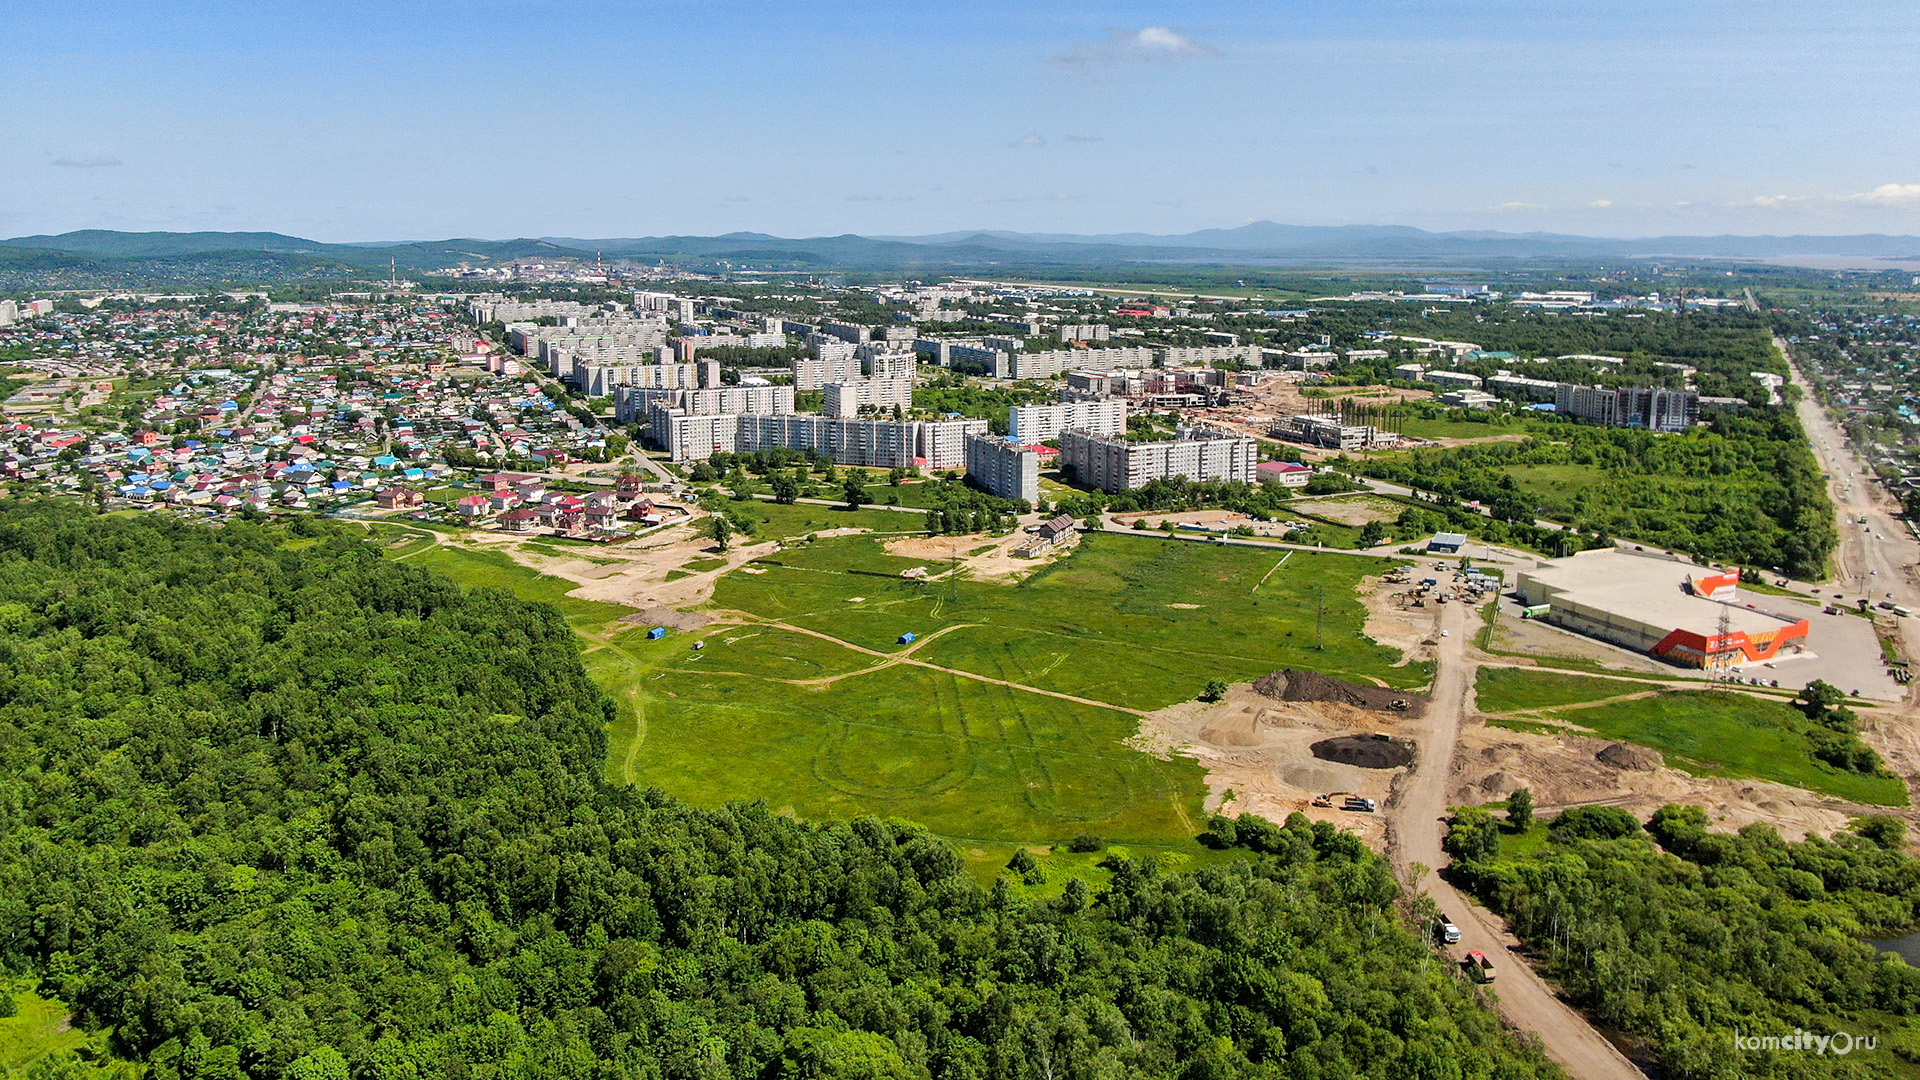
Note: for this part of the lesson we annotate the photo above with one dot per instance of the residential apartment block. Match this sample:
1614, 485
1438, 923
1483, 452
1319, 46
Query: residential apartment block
1003, 467
1654, 408
1038, 423
846, 399
1197, 453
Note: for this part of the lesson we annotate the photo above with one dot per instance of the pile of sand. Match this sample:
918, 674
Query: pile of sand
1366, 751
1296, 685
1627, 756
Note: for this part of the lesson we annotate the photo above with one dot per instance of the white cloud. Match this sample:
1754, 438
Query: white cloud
1896, 194
1520, 208
86, 162
1600, 204
1028, 142
1083, 138
1149, 44
1774, 201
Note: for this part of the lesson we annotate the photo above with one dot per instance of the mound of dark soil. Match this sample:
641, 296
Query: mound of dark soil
1627, 756
1295, 685
1366, 751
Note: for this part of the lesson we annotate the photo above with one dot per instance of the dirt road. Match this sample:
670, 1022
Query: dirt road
1875, 554
1416, 825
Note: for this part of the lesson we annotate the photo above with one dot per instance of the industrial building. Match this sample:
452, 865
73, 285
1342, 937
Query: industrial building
1004, 467
1673, 610
1038, 423
1197, 453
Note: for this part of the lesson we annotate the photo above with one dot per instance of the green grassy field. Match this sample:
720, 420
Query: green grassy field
1730, 734
806, 720
1420, 427
776, 522
1514, 689
1555, 483
39, 1030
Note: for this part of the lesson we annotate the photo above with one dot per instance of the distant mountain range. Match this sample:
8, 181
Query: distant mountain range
230, 256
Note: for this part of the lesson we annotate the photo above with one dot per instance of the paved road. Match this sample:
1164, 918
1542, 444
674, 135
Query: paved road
1417, 823
1875, 558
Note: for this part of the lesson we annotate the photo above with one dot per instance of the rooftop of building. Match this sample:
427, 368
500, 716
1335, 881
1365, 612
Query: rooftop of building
1653, 589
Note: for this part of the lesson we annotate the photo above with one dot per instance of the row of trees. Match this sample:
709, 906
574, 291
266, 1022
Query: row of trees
310, 814
1744, 488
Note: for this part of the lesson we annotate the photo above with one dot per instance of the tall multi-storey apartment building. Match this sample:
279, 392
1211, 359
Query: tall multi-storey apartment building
814, 372
1197, 453
1651, 407
846, 399
1003, 467
1038, 423
884, 444
889, 363
633, 403
602, 380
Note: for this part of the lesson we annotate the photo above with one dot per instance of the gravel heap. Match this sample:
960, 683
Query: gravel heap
1296, 685
1366, 751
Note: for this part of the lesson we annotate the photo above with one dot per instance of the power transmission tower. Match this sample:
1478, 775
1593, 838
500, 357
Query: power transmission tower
1718, 655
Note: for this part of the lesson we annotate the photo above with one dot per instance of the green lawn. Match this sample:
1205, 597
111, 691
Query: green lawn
776, 522
39, 1030
1512, 689
987, 765
495, 570
1420, 427
1555, 484
1724, 733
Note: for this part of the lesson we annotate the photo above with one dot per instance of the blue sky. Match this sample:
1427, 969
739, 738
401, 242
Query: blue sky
350, 120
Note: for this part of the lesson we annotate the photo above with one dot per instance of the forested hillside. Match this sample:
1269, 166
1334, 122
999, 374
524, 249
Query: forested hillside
273, 810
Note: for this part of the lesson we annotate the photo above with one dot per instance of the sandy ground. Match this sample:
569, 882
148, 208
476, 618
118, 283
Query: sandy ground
939, 552
1562, 771
1255, 751
1355, 510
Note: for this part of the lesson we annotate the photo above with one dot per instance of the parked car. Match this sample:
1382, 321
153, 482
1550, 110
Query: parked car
1446, 932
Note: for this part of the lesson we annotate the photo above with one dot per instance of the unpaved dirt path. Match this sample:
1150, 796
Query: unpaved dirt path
1415, 827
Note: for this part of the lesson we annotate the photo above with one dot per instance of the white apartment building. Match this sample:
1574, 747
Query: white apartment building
1197, 453
846, 399
633, 403
815, 372
1038, 423
1003, 467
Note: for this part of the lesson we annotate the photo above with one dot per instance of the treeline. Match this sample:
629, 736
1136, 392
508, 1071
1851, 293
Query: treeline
1744, 488
1705, 936
310, 814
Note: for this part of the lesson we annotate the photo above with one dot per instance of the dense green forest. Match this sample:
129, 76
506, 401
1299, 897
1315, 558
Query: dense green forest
1744, 488
272, 806
1685, 944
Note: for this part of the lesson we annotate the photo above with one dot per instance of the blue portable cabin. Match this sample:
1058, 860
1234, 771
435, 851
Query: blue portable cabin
656, 633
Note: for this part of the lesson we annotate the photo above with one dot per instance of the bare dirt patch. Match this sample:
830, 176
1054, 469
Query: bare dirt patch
1565, 770
1258, 754
1296, 685
940, 552
669, 618
1355, 510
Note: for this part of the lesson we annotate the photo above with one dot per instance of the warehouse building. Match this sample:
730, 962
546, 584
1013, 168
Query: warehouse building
1672, 610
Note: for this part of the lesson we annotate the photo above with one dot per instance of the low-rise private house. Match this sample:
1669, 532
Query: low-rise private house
473, 506
398, 498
